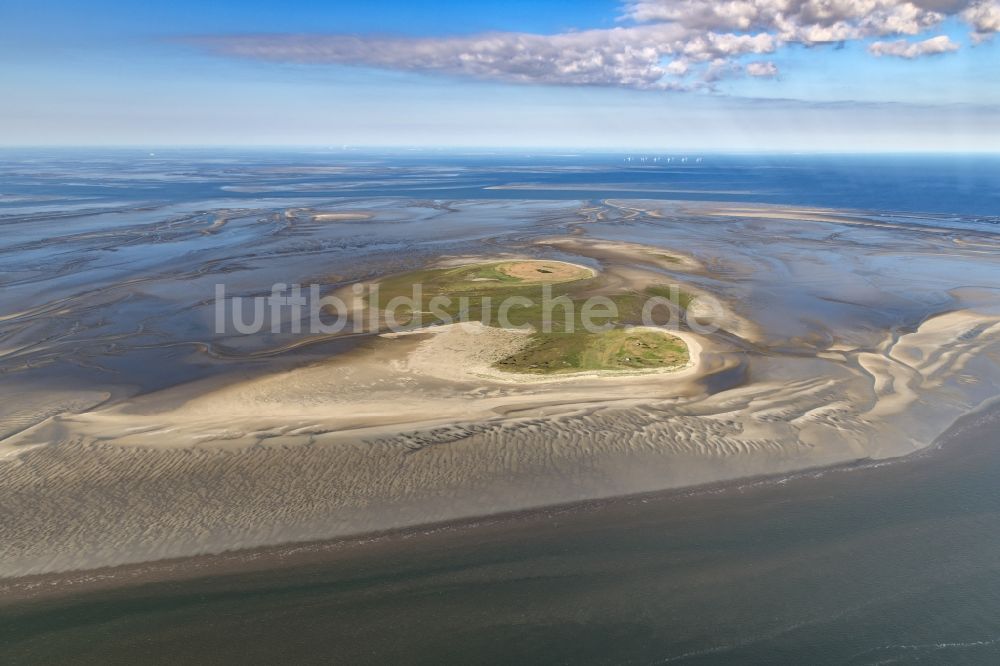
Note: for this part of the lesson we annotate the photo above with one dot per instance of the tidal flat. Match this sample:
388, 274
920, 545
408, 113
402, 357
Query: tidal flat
134, 431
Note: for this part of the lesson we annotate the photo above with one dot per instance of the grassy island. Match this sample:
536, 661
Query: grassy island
577, 323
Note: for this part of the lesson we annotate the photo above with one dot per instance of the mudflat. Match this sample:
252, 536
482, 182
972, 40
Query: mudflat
817, 356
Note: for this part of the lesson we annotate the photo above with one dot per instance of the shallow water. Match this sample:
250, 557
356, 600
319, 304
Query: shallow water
106, 256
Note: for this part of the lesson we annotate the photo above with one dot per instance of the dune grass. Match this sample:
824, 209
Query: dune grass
615, 349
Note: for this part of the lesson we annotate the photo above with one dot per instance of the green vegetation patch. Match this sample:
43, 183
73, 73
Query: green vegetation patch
485, 278
564, 338
616, 349
476, 292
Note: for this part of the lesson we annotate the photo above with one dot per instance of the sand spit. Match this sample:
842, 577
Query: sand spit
627, 252
342, 217
812, 214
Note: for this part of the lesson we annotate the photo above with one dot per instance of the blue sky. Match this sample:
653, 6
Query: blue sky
657, 74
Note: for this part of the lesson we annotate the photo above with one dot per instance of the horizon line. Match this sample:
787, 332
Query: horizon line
547, 150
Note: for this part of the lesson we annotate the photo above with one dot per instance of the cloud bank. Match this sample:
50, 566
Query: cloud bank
909, 50
662, 44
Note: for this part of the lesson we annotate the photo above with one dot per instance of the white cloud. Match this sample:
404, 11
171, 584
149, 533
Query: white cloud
765, 70
665, 44
909, 50
984, 17
678, 67
809, 21
713, 45
819, 21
